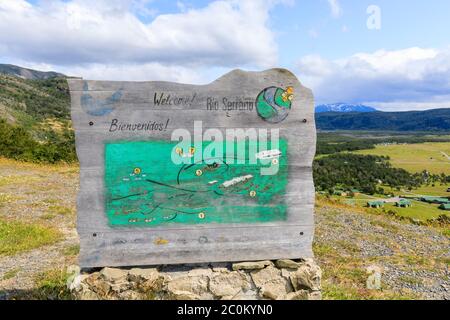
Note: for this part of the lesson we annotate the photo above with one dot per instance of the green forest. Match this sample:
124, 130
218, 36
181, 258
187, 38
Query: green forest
18, 143
35, 120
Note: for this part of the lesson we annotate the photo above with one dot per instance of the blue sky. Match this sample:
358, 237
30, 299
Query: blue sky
403, 65
405, 23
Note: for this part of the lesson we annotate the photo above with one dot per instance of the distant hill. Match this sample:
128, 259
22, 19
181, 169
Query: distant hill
343, 107
29, 74
430, 120
24, 101
35, 118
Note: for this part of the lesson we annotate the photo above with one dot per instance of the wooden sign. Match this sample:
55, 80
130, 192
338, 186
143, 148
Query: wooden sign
173, 173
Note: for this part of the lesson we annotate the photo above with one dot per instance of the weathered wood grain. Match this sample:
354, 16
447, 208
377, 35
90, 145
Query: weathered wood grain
134, 102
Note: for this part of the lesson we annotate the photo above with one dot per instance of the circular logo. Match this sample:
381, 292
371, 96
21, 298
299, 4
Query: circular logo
273, 104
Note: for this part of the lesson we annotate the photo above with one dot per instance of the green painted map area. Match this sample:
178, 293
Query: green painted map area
144, 187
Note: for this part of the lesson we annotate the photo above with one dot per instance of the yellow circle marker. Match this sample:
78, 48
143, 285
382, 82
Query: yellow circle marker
191, 150
252, 193
179, 151
199, 173
201, 215
274, 161
137, 170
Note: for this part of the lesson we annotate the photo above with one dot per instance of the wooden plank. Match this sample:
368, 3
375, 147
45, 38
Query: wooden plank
136, 206
199, 245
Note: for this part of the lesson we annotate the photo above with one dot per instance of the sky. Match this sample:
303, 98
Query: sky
390, 54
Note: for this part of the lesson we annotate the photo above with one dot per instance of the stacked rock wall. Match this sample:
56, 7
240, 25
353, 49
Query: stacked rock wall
281, 279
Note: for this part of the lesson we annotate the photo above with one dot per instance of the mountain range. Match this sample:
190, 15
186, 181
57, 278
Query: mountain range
430, 120
29, 74
344, 107
29, 98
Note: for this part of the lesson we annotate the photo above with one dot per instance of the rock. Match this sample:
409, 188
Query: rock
307, 276
260, 277
228, 284
137, 274
131, 295
74, 283
249, 281
246, 295
270, 282
286, 273
98, 285
200, 272
374, 279
115, 278
287, 264
87, 294
114, 274
315, 295
189, 288
220, 266
251, 265
275, 288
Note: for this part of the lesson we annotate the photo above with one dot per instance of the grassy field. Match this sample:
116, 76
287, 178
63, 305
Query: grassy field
431, 156
437, 190
16, 237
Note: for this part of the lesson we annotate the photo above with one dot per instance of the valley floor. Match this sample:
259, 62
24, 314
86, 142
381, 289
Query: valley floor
38, 241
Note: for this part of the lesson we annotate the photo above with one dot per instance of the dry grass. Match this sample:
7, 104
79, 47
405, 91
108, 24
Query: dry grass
17, 237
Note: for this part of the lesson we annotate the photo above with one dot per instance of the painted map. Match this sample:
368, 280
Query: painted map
144, 187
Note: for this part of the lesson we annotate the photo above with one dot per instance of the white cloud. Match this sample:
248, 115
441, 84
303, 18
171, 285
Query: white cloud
406, 106
413, 78
335, 7
147, 71
108, 35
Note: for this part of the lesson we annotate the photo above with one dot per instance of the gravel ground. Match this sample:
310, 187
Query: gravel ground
412, 258
34, 195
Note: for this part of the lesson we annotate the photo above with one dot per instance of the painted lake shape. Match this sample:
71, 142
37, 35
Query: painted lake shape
145, 188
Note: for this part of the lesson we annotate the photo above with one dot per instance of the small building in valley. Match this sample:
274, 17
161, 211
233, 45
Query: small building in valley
445, 206
375, 204
438, 200
403, 203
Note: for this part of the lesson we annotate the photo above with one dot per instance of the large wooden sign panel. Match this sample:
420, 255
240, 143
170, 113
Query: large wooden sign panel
173, 173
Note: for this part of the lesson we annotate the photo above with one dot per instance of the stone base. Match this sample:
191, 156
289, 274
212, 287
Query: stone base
275, 280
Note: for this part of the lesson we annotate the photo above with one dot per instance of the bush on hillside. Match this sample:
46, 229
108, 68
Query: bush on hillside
17, 143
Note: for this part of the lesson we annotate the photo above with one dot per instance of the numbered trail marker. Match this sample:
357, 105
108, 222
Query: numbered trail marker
174, 173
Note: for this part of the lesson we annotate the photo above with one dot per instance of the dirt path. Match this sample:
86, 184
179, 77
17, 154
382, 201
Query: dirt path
37, 195
445, 155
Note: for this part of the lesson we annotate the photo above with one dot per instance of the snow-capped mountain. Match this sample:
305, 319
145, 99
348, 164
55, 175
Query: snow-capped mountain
343, 107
